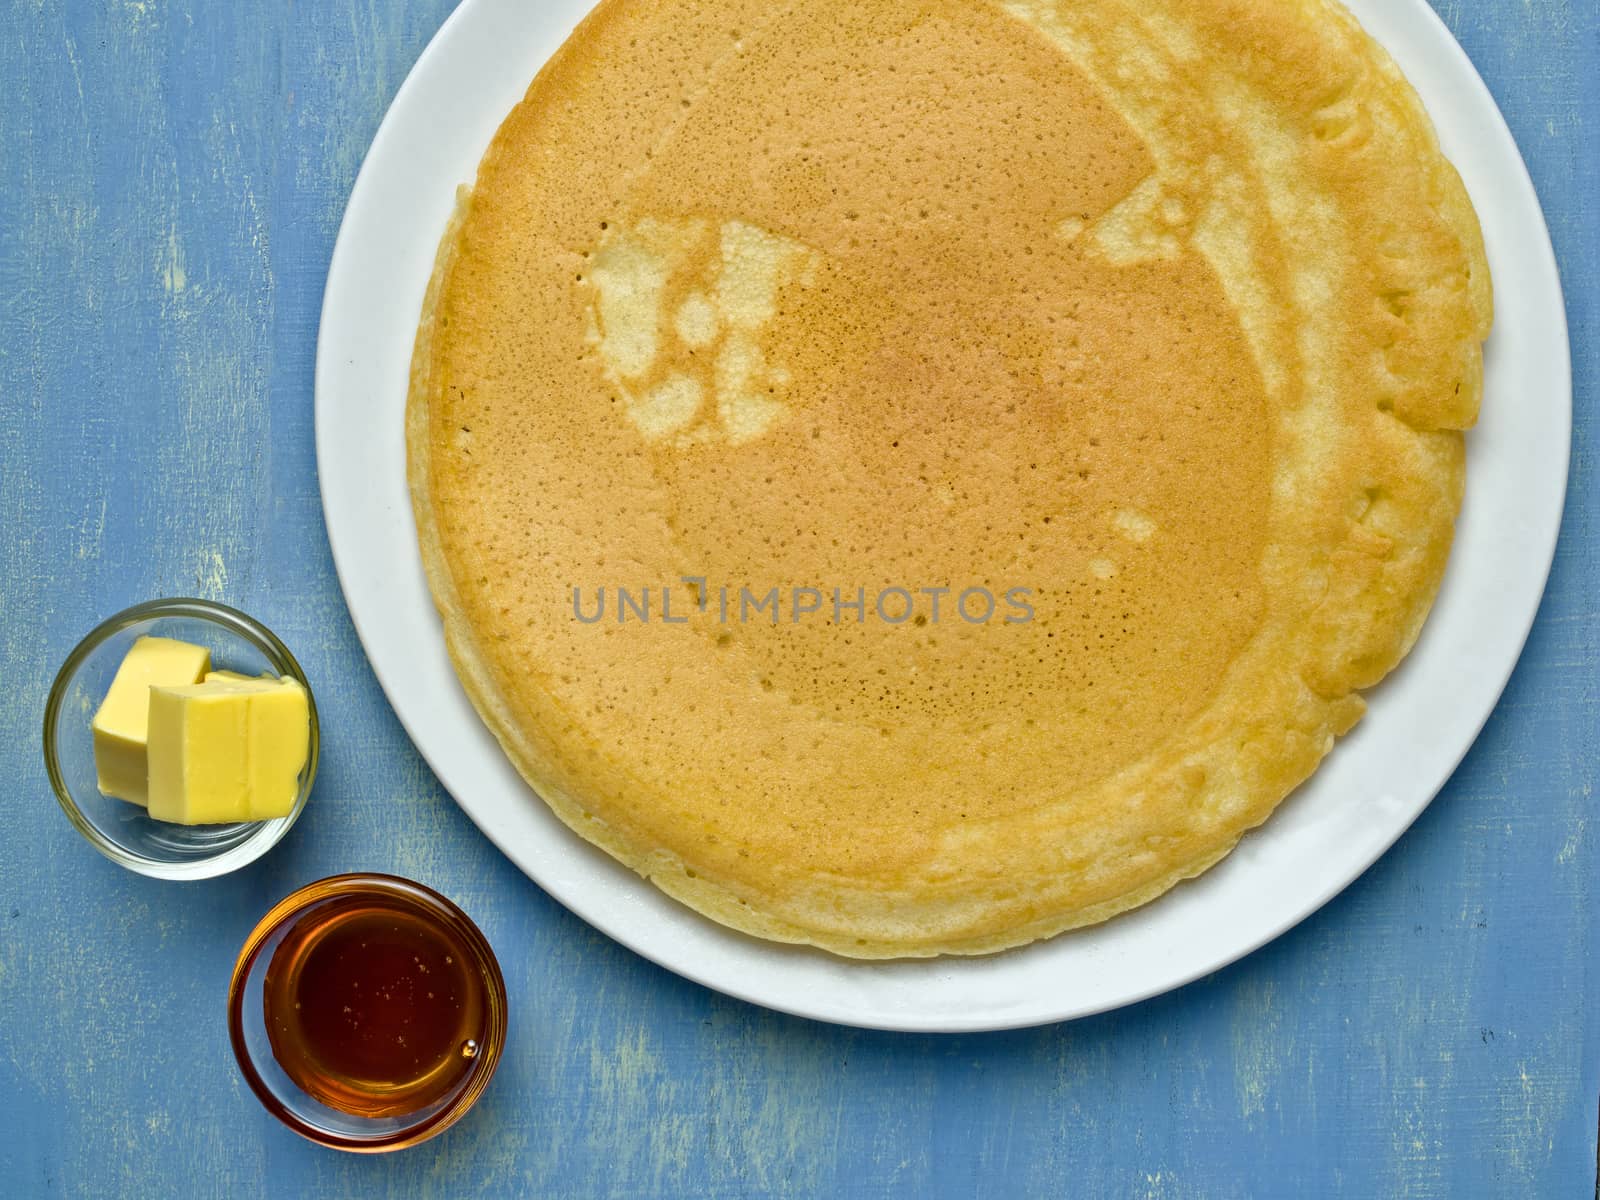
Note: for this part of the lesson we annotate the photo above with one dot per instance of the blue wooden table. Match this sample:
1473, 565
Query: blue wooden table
172, 174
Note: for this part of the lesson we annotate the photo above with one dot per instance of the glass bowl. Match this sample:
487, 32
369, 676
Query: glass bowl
318, 910
121, 831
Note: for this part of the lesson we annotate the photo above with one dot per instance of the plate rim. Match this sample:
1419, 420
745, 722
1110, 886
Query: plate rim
346, 563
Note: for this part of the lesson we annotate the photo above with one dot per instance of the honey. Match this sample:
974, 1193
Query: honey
374, 1006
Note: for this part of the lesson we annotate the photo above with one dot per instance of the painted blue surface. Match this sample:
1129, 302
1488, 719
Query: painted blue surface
172, 174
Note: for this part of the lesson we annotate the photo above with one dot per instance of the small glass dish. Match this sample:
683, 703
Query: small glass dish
337, 916
124, 832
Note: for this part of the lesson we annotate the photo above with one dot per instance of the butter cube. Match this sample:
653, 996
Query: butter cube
235, 677
227, 750
280, 740
121, 724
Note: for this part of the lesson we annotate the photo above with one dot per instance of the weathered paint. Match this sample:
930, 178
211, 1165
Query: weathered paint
174, 173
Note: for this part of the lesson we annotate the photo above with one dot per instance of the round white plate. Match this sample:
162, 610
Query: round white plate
1373, 786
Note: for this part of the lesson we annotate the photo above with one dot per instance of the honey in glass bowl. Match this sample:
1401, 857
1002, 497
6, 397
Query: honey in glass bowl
373, 1008
367, 1012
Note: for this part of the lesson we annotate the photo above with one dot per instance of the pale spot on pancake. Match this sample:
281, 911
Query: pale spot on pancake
712, 282
1134, 525
744, 412
1102, 568
1136, 230
739, 364
1180, 42
746, 416
668, 406
630, 278
1069, 229
696, 322
754, 263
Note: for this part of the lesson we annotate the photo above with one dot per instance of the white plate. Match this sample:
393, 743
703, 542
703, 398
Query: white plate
1373, 786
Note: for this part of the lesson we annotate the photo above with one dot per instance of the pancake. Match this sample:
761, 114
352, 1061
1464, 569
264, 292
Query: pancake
916, 476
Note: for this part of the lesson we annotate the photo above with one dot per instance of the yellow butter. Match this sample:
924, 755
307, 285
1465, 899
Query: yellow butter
227, 750
236, 677
280, 739
121, 723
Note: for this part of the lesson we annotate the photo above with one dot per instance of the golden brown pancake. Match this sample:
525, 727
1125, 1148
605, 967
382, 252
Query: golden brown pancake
1155, 322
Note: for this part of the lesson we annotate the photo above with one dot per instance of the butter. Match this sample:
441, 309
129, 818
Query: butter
121, 724
227, 750
236, 677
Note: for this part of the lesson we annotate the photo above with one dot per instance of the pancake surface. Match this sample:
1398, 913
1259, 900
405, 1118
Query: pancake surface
1168, 314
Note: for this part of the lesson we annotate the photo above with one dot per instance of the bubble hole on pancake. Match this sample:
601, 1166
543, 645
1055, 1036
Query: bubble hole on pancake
1170, 313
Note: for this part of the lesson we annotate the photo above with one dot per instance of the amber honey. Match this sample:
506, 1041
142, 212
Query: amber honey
374, 1006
